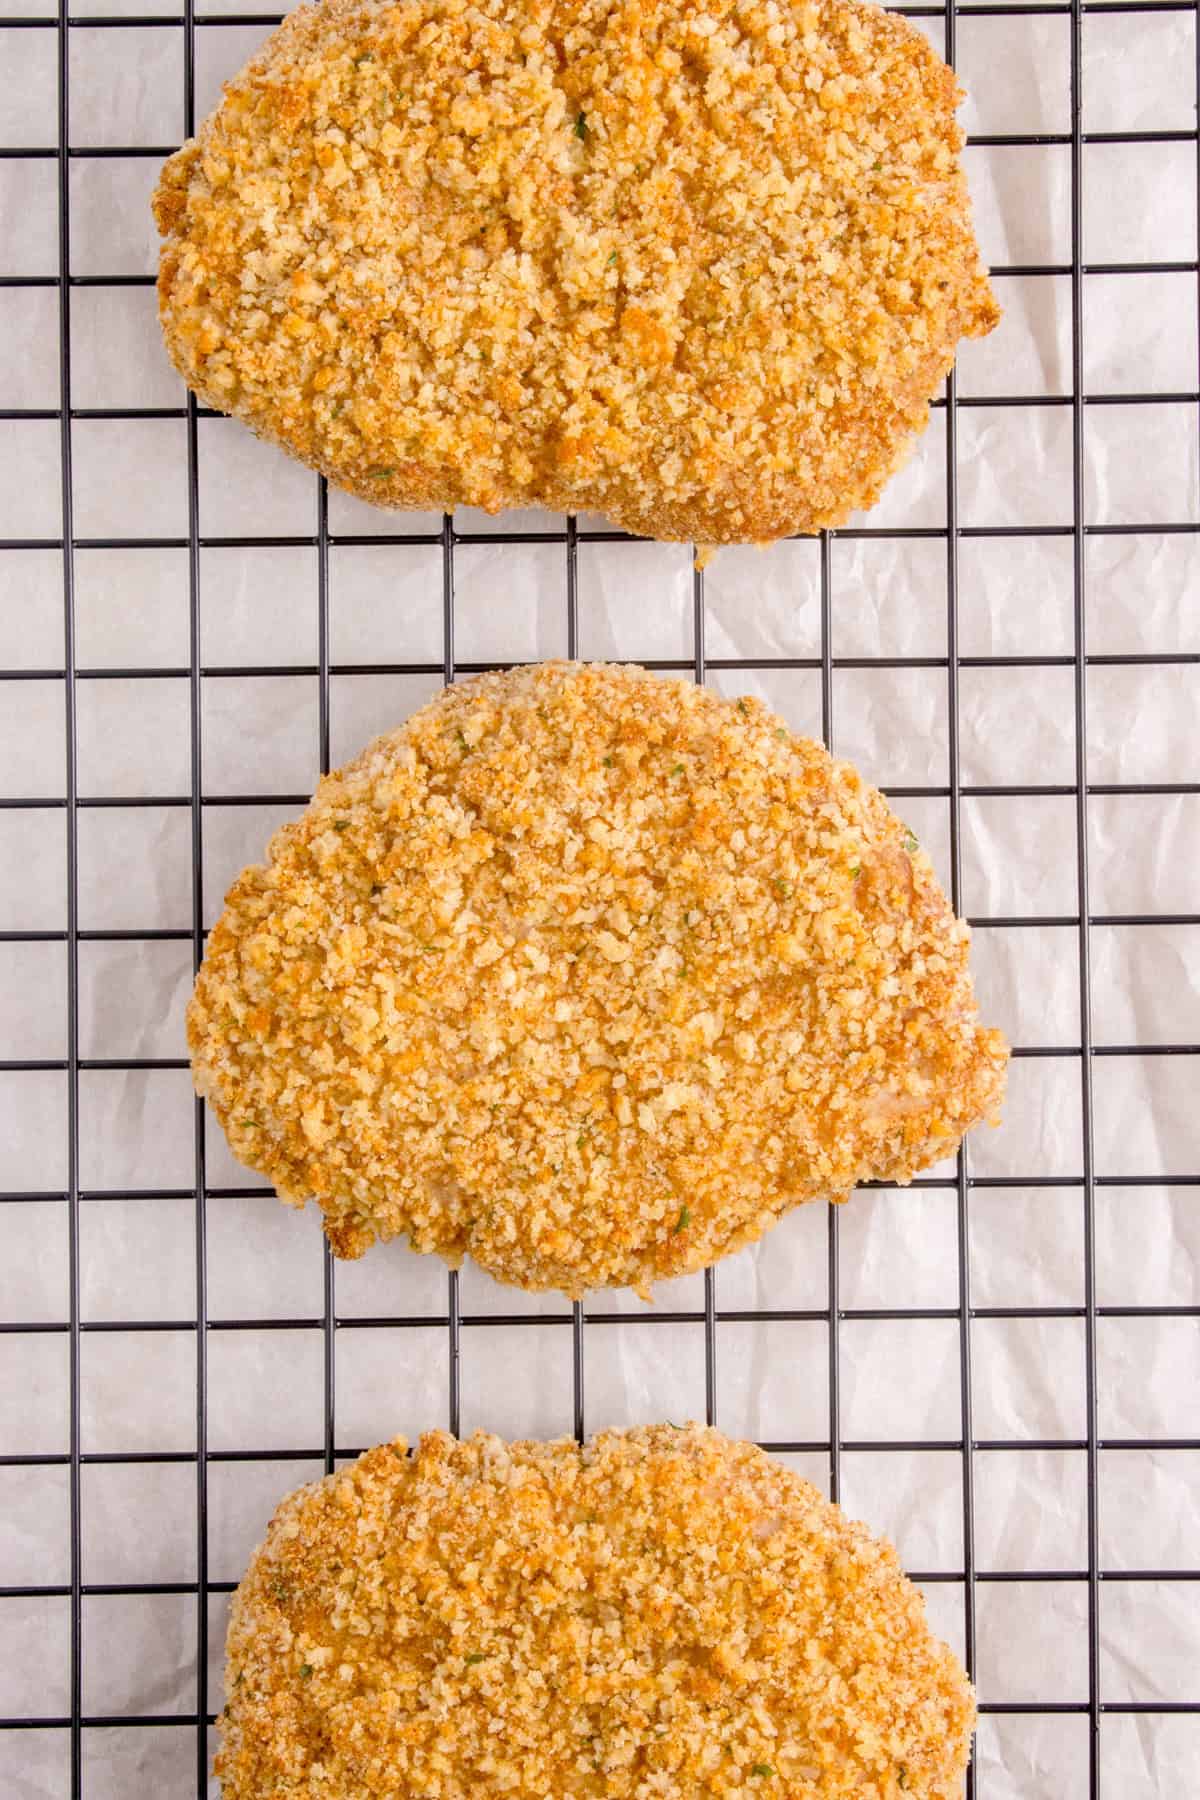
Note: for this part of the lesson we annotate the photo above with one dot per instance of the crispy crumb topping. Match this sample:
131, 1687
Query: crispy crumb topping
699, 265
661, 1613
593, 976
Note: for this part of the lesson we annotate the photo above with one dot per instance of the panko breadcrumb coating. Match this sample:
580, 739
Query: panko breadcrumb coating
662, 1613
699, 265
592, 976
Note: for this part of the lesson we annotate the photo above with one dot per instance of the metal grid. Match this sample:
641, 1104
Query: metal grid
1082, 1183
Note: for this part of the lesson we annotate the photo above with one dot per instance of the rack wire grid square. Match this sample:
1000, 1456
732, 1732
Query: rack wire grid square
193, 628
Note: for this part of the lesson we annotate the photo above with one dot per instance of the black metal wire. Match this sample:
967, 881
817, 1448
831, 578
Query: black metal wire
992, 9
1081, 854
328, 1272
448, 671
72, 940
578, 1353
962, 1191
196, 749
832, 1239
824, 666
700, 667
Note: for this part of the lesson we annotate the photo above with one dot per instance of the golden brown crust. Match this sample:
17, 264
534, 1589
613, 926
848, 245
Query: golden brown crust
698, 265
659, 1615
592, 976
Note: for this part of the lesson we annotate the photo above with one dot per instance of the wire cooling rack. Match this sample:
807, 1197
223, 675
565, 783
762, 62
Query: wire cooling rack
68, 1724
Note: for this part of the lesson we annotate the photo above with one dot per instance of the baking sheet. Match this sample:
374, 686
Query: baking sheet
899, 1378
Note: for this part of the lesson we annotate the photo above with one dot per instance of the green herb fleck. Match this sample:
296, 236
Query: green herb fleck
877, 165
763, 1769
857, 869
682, 1222
306, 1671
366, 57
476, 1656
910, 843
782, 887
780, 731
608, 762
341, 824
247, 1122
398, 1454
741, 706
241, 1676
280, 1593
612, 257
678, 769
581, 125
379, 473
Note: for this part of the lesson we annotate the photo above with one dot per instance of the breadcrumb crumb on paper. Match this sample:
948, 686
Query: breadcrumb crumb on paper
592, 976
698, 266
660, 1612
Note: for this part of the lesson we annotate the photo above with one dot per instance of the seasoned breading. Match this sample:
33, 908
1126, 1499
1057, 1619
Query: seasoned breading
662, 1613
698, 265
592, 976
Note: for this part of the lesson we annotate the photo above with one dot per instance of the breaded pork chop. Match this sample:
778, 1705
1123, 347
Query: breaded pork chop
661, 1614
592, 976
699, 265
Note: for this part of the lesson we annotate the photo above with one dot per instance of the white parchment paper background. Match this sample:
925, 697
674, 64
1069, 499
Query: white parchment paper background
900, 1379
